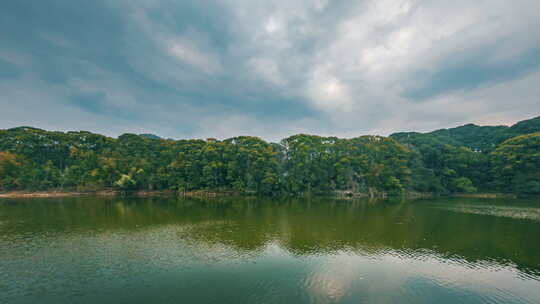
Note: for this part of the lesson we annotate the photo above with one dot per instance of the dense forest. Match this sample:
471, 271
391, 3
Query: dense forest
469, 158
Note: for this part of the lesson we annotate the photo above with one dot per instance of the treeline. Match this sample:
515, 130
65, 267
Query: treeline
474, 158
443, 161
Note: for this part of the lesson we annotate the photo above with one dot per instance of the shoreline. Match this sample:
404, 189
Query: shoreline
110, 193
485, 195
209, 193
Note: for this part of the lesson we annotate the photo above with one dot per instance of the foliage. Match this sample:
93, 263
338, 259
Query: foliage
516, 164
9, 167
126, 182
476, 138
464, 159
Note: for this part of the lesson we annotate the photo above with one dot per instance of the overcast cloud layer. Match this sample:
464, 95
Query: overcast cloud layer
195, 68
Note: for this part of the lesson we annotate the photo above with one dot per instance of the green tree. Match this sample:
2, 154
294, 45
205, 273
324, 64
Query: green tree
516, 163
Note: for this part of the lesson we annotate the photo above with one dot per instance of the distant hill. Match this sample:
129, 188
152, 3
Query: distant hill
25, 128
477, 138
150, 136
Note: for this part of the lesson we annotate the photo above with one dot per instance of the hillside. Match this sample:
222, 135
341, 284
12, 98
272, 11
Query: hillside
469, 158
477, 138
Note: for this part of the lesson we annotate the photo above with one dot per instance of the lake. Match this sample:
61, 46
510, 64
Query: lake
263, 250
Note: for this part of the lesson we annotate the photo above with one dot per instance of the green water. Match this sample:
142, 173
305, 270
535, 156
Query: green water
113, 250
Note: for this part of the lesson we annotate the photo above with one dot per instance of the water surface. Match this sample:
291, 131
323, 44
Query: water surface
238, 250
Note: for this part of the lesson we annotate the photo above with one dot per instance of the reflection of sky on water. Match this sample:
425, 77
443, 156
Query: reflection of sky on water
345, 253
376, 275
382, 275
391, 277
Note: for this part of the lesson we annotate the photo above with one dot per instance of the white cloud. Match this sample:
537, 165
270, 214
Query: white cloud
186, 53
336, 67
268, 69
327, 92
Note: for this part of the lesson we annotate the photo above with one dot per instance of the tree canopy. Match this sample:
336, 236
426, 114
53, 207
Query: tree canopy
464, 159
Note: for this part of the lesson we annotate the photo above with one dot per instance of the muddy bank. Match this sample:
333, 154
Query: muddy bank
53, 194
28, 194
345, 194
208, 193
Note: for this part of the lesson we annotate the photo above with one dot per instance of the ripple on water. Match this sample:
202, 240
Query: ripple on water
409, 276
307, 258
499, 211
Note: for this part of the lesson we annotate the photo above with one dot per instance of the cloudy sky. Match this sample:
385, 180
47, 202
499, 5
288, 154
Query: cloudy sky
208, 68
